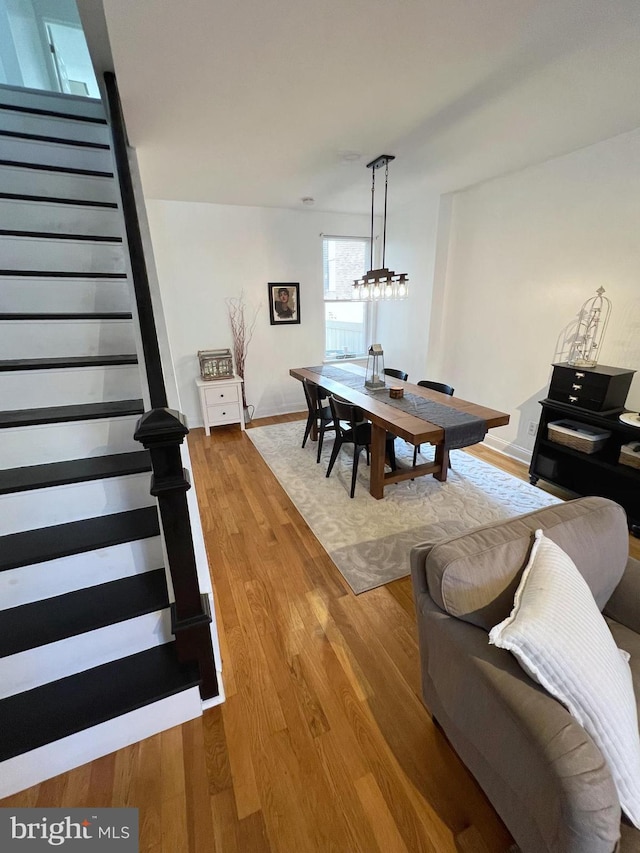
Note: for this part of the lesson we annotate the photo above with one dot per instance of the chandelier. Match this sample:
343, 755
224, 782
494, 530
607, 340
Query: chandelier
382, 283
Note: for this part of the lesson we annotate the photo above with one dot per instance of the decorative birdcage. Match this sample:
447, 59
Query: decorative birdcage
215, 363
375, 368
592, 324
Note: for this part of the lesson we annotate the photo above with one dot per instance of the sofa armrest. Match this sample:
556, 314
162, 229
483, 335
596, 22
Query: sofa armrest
417, 558
418, 554
538, 766
624, 604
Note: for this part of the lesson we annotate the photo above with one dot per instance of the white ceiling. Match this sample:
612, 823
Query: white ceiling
255, 102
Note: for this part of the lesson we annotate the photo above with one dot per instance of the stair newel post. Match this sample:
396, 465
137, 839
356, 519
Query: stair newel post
161, 432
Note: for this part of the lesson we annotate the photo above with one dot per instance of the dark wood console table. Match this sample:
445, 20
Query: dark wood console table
598, 473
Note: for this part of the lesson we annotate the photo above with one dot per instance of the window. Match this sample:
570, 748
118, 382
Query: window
346, 322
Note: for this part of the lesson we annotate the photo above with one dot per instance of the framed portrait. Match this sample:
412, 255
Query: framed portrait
284, 302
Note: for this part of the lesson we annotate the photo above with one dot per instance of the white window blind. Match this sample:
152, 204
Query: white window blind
344, 259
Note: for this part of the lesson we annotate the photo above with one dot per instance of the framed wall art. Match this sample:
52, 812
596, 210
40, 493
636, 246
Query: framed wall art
284, 302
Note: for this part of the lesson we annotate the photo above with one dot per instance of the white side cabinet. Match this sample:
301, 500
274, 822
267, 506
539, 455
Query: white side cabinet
221, 402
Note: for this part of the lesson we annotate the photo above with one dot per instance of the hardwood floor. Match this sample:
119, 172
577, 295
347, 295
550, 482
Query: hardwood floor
323, 743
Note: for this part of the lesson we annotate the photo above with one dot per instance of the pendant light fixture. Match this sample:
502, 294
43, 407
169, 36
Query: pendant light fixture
382, 283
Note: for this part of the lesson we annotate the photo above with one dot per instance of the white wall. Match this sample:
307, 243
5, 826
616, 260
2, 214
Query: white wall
525, 251
173, 401
498, 273
403, 327
206, 252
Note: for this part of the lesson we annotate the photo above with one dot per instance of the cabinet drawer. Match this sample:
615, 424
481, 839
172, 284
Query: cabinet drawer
221, 394
594, 388
576, 398
224, 413
575, 380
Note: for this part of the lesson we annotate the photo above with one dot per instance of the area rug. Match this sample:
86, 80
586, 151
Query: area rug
367, 539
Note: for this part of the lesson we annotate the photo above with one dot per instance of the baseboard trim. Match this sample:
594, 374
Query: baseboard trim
514, 451
215, 700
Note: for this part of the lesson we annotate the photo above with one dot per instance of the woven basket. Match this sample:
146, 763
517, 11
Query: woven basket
577, 436
630, 454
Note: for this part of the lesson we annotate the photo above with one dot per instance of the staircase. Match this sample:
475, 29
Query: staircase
87, 659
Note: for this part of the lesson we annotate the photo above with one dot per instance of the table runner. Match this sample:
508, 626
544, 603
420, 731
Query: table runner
460, 428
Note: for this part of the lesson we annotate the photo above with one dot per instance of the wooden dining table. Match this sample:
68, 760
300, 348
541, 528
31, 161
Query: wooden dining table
385, 417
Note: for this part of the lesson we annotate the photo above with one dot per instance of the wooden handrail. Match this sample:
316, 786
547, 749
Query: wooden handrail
161, 431
148, 333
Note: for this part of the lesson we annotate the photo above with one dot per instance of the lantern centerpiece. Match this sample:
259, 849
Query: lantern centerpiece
375, 368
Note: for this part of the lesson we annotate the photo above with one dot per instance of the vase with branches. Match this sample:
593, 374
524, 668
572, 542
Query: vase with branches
242, 328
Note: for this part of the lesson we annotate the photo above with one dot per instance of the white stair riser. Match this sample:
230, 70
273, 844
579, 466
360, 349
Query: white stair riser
27, 389
36, 508
31, 768
61, 218
24, 294
52, 101
57, 338
30, 389
56, 442
28, 253
67, 574
39, 666
58, 128
57, 184
55, 154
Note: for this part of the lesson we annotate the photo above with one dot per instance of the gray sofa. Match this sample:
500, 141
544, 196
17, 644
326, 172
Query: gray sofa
543, 773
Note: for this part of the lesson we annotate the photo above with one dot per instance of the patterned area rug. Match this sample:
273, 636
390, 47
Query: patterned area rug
369, 540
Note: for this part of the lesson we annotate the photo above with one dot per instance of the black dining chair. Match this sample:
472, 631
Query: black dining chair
352, 428
443, 388
396, 374
319, 415
437, 386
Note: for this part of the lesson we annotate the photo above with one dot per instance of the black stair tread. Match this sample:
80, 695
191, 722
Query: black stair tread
55, 113
73, 704
65, 414
53, 140
66, 361
61, 274
46, 167
87, 315
57, 235
53, 619
57, 200
76, 537
32, 477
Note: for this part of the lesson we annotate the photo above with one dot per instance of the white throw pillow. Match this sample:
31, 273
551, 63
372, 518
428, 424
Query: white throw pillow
561, 639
